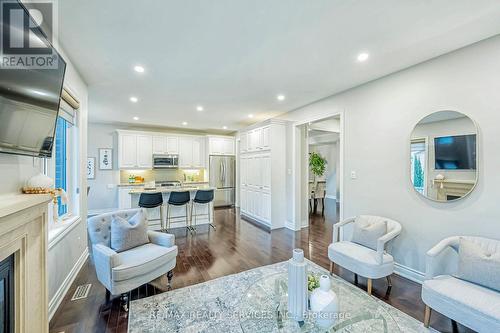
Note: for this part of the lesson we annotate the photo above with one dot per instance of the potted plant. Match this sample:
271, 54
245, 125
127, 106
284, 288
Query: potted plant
317, 164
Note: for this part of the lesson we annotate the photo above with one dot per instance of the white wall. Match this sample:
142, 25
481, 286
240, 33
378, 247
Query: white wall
379, 119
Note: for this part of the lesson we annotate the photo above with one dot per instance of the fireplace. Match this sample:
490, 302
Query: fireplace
7, 295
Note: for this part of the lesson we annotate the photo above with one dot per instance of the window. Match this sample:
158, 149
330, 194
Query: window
419, 165
61, 160
63, 166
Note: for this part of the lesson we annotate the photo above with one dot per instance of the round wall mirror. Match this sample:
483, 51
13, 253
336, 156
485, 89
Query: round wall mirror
444, 155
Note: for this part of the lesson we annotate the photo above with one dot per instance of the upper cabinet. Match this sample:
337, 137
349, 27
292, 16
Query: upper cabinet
192, 152
165, 145
135, 151
256, 139
218, 145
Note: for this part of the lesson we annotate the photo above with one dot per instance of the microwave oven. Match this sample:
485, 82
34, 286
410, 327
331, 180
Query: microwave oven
165, 161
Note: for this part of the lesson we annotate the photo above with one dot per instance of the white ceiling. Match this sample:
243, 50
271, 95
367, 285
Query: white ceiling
234, 56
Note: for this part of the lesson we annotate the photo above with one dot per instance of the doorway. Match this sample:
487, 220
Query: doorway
318, 170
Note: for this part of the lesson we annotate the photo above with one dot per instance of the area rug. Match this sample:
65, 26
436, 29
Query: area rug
213, 306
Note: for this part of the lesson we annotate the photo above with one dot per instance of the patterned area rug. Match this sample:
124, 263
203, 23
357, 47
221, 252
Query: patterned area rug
217, 306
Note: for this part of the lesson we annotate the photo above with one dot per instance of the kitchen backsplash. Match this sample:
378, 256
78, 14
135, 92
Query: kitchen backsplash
164, 174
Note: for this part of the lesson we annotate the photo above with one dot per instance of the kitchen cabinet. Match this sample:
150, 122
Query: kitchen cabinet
221, 145
165, 145
144, 151
172, 145
262, 167
127, 151
135, 151
191, 152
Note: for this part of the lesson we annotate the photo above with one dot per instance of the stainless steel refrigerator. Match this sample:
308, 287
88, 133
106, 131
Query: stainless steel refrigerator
223, 178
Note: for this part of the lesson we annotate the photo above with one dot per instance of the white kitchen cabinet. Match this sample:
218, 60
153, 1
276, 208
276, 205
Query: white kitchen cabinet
185, 152
172, 145
144, 151
124, 198
165, 145
221, 145
265, 137
263, 174
127, 151
159, 144
192, 152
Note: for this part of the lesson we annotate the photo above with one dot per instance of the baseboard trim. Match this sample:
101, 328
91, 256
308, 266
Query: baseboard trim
333, 197
68, 281
409, 273
290, 225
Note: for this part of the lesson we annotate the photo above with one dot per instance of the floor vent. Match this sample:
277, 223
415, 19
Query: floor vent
81, 292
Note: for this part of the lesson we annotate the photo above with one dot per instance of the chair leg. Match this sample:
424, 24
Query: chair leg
331, 267
193, 229
355, 278
322, 206
389, 281
170, 275
427, 316
162, 219
108, 296
168, 217
210, 210
124, 300
454, 326
369, 286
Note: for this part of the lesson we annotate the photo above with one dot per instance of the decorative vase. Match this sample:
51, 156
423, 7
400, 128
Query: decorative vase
324, 303
297, 285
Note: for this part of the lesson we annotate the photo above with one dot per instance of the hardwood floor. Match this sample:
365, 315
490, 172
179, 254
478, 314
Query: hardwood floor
236, 246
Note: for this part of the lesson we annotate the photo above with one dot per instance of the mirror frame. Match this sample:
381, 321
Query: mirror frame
478, 137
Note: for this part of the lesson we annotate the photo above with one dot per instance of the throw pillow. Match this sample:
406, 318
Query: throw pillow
478, 265
129, 234
367, 230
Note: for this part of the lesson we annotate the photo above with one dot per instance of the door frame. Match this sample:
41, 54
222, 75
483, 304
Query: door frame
300, 177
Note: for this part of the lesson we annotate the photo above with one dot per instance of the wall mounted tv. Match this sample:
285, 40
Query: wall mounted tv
455, 152
29, 96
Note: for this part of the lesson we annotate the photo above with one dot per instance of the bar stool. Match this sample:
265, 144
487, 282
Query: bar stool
178, 198
203, 197
153, 200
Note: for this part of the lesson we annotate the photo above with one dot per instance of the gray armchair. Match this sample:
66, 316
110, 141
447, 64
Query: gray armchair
121, 272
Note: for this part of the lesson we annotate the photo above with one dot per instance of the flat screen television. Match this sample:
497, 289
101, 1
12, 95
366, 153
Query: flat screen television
29, 99
455, 152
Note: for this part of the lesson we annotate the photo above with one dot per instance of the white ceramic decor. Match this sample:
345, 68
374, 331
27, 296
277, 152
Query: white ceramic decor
325, 303
297, 285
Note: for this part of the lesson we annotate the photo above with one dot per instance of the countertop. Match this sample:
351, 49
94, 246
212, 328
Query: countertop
190, 188
143, 184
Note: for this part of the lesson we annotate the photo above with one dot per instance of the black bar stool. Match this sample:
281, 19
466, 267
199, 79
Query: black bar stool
178, 198
203, 197
153, 200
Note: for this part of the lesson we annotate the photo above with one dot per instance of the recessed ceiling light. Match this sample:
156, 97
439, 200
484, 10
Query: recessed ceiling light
224, 127
199, 108
363, 57
184, 123
281, 97
136, 118
134, 99
250, 115
139, 69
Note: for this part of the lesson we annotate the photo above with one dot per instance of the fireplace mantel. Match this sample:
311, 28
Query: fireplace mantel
453, 187
23, 232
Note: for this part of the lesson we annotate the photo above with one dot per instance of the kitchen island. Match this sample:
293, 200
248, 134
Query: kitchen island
177, 214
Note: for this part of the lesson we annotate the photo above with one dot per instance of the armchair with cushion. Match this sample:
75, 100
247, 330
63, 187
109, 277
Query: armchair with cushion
371, 263
121, 272
446, 291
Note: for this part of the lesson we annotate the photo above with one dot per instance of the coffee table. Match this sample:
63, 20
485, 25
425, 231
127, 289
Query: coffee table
263, 308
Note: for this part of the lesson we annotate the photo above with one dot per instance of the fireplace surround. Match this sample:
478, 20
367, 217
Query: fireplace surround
7, 295
23, 249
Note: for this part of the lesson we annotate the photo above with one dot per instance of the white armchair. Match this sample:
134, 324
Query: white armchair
362, 260
121, 272
472, 305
